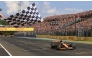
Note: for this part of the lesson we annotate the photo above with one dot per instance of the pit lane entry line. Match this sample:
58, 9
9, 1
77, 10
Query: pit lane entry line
5, 49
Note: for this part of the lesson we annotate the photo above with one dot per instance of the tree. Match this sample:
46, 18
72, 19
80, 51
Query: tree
3, 22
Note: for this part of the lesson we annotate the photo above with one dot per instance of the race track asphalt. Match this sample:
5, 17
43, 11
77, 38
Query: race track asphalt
3, 52
37, 47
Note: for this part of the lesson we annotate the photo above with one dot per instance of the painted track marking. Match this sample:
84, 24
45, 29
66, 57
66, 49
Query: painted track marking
5, 49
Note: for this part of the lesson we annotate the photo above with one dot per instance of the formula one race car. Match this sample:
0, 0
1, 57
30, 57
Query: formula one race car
60, 45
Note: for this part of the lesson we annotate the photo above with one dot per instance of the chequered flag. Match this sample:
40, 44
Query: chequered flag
26, 16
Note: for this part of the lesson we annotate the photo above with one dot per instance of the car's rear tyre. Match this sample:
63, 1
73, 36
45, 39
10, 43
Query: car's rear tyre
72, 45
52, 46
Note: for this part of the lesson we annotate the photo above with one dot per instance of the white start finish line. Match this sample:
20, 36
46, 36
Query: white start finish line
5, 49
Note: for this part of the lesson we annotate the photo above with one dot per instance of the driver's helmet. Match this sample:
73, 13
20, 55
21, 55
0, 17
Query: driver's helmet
61, 41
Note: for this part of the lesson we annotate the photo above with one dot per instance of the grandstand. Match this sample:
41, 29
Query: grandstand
79, 24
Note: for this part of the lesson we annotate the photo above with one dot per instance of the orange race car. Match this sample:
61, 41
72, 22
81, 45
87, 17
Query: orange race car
60, 45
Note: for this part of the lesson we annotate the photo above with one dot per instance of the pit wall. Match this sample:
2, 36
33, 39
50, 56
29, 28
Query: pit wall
66, 37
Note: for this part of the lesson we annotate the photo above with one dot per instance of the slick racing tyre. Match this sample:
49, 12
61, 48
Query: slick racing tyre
52, 46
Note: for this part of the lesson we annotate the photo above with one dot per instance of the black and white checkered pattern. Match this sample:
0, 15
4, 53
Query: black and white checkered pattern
26, 16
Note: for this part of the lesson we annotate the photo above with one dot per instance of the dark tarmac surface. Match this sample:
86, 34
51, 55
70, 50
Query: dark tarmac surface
3, 52
36, 47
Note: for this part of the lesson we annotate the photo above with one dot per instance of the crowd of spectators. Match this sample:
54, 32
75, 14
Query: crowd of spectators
45, 27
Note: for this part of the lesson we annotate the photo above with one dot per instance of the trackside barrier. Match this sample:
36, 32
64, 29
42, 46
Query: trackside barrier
66, 37
10, 35
84, 38
7, 35
72, 37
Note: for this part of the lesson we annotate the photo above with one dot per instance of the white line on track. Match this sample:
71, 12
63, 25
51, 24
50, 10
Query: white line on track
5, 49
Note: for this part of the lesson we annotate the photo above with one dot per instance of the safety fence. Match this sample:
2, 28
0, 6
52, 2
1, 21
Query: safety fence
66, 37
